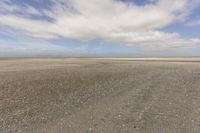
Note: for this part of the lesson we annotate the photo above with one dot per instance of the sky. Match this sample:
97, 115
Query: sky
99, 28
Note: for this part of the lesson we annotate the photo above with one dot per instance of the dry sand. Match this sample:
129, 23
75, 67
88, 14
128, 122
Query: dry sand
100, 95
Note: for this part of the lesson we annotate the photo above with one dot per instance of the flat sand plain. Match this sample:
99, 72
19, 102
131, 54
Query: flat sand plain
147, 95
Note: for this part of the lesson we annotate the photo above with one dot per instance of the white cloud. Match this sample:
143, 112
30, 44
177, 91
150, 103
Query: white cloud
110, 20
37, 48
32, 45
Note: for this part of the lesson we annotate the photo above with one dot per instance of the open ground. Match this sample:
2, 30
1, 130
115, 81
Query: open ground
134, 95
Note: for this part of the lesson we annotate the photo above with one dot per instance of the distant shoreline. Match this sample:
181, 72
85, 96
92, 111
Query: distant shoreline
150, 59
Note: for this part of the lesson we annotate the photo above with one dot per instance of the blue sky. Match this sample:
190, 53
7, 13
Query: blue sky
106, 28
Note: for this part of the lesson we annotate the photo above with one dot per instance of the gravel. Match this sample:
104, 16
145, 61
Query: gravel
99, 96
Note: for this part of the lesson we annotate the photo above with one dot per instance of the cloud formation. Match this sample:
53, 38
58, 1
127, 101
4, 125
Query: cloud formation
110, 20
